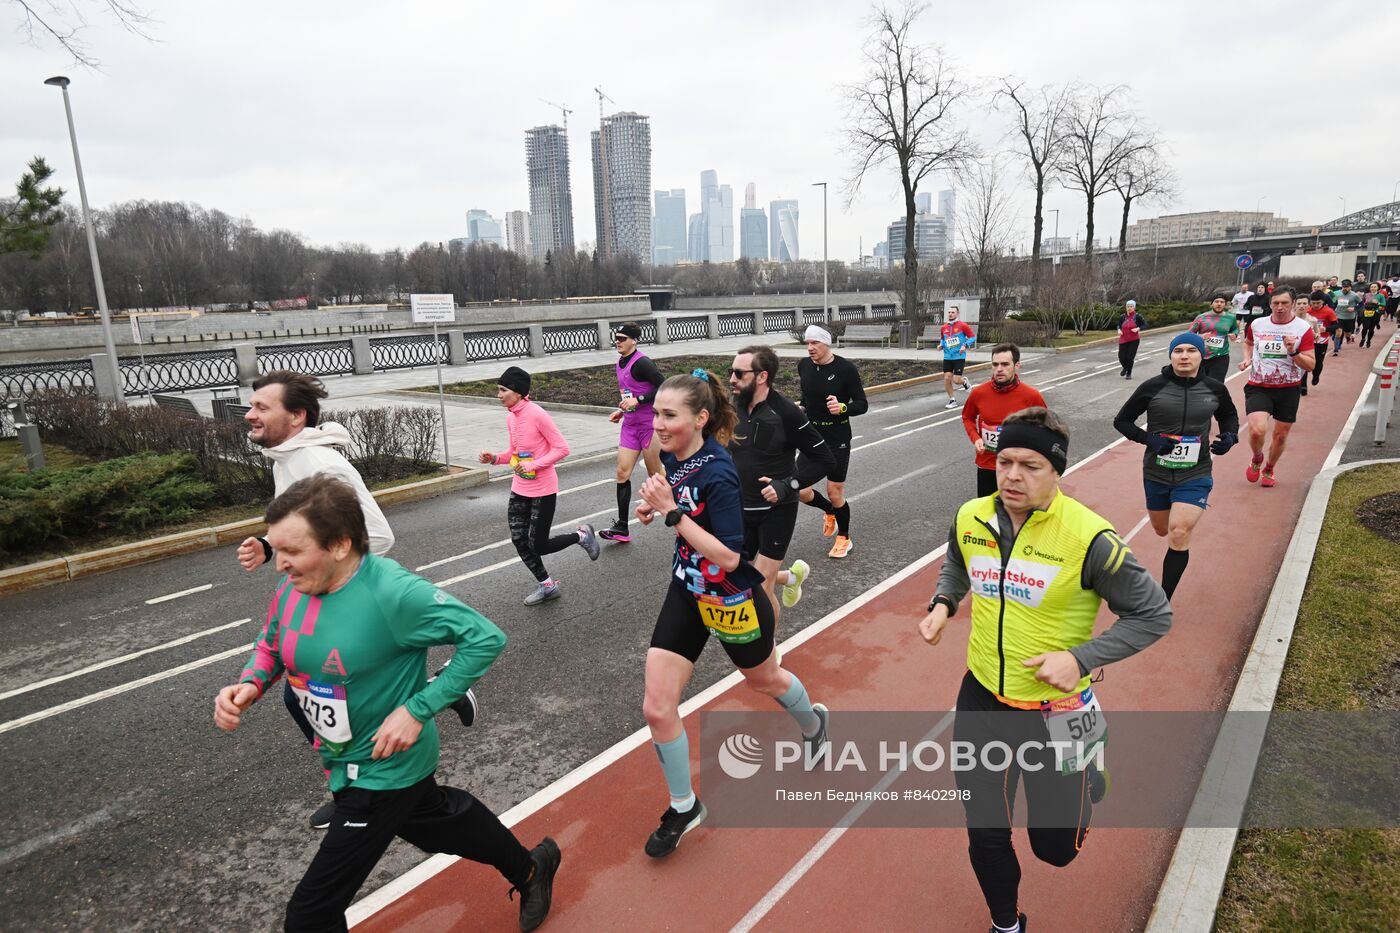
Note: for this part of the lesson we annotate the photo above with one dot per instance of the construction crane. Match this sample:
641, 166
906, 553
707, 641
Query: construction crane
562, 109
602, 97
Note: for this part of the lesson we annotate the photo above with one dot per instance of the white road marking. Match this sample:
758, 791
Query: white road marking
565, 492
1079, 359
121, 688
35, 843
858, 437
1097, 372
876, 411
1030, 372
121, 660
169, 596
1136, 528
900, 424
510, 560
895, 437
504, 541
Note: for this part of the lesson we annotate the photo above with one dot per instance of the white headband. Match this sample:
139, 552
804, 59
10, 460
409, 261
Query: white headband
817, 333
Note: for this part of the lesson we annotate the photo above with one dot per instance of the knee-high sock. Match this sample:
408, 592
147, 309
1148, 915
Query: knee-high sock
624, 500
1173, 566
799, 705
843, 519
820, 501
675, 764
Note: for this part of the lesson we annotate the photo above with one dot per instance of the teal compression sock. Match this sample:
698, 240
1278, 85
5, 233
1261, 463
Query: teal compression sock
796, 702
675, 765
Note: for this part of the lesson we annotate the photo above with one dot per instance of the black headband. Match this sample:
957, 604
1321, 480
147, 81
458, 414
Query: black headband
1052, 445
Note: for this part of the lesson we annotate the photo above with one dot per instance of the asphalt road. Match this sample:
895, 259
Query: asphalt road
125, 808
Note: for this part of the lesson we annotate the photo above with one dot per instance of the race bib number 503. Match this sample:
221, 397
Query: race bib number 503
1078, 722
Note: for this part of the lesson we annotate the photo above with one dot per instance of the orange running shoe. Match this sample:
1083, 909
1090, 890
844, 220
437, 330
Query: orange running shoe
828, 525
841, 548
1268, 475
1251, 472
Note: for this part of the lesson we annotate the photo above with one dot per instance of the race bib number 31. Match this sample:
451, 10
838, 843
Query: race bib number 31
1078, 722
326, 709
732, 619
1184, 455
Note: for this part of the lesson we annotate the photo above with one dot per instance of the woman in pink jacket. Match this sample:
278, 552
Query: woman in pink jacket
535, 447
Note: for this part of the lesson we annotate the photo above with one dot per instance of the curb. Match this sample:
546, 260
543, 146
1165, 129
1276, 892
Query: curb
63, 569
1190, 892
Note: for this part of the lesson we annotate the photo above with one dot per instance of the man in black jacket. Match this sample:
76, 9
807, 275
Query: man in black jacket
1176, 467
832, 394
770, 433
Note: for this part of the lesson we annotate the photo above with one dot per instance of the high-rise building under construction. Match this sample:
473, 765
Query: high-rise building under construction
622, 185
551, 200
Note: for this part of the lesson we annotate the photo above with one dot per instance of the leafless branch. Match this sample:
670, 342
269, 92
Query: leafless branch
64, 23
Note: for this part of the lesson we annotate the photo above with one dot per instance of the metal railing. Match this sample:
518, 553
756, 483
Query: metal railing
497, 344
570, 339
884, 313
328, 358
775, 321
850, 314
25, 380
648, 329
732, 325
813, 317
178, 372
407, 351
688, 328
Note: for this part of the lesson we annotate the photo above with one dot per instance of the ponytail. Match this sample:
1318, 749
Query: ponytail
707, 394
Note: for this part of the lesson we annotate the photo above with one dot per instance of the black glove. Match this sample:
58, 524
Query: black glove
1160, 444
1222, 444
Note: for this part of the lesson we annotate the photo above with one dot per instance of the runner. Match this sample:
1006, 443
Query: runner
988, 406
1392, 285
284, 420
1322, 319
1219, 328
712, 591
637, 382
832, 394
535, 447
956, 338
1347, 304
1130, 328
352, 630
1240, 299
1257, 306
1372, 306
771, 431
1176, 466
1284, 358
1032, 647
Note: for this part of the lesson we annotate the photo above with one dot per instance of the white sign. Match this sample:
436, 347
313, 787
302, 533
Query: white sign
433, 309
135, 328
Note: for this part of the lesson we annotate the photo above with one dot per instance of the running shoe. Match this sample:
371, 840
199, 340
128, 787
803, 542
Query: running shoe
588, 540
952, 403
1099, 783
619, 532
1268, 477
841, 548
792, 592
1020, 921
465, 708
544, 593
321, 819
966, 385
538, 889
1251, 472
828, 525
818, 744
673, 826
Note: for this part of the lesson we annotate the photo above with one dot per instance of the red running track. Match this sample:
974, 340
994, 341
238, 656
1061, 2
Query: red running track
872, 658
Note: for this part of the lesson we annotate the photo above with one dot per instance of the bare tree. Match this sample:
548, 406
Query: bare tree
1143, 176
63, 22
904, 112
1038, 115
988, 236
1100, 134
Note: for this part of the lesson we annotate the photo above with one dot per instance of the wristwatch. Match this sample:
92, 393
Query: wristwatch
843, 408
673, 517
945, 600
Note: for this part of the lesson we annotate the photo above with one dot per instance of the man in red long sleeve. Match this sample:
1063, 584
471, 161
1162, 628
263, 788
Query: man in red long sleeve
989, 404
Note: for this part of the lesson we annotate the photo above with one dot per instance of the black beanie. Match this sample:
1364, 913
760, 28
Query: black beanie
515, 379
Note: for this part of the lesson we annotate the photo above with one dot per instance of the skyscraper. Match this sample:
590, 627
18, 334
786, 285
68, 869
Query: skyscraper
782, 219
948, 210
923, 203
483, 228
753, 228
518, 232
717, 213
551, 201
695, 238
668, 228
622, 185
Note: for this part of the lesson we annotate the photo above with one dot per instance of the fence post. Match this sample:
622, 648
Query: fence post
103, 378
537, 340
456, 348
758, 327
714, 325
868, 314
246, 356
663, 329
604, 335
364, 355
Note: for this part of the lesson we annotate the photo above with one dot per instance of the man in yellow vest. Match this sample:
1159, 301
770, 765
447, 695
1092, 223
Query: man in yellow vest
1037, 564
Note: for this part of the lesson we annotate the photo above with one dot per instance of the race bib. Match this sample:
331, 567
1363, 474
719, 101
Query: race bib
1272, 349
952, 343
990, 437
326, 709
1184, 455
1078, 721
732, 619
1215, 342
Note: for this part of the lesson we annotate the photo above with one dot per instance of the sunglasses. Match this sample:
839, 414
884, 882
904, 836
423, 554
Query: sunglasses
740, 373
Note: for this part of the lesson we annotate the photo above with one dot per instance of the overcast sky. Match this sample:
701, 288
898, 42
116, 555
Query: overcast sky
382, 123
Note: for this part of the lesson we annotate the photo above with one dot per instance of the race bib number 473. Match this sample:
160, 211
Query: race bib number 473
326, 708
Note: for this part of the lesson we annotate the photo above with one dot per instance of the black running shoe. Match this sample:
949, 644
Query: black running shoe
1099, 783
1021, 919
536, 893
618, 532
321, 819
673, 826
466, 709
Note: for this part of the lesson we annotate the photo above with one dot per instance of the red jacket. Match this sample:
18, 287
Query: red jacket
986, 409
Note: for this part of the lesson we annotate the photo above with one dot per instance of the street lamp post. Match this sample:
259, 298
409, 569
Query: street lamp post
826, 302
1054, 263
1344, 204
117, 391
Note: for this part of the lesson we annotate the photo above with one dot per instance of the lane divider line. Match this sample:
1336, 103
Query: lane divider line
189, 592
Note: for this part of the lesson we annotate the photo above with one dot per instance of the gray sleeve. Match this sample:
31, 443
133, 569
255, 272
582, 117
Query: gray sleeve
1144, 614
953, 581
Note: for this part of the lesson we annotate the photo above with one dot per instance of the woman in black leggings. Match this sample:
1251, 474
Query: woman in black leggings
1130, 327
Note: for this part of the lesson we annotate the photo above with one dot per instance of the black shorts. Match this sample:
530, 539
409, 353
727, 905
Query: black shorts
1346, 327
1216, 367
769, 531
838, 438
1279, 401
954, 366
680, 631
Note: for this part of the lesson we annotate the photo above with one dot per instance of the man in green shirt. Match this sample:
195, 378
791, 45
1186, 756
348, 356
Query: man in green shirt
351, 631
1218, 327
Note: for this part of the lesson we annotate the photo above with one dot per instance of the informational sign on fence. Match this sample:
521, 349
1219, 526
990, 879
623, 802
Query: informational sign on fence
432, 309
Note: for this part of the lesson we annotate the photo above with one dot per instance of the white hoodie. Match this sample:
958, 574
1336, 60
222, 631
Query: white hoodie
312, 451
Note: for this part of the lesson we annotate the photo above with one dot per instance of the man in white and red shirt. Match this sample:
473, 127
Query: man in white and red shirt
1278, 351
